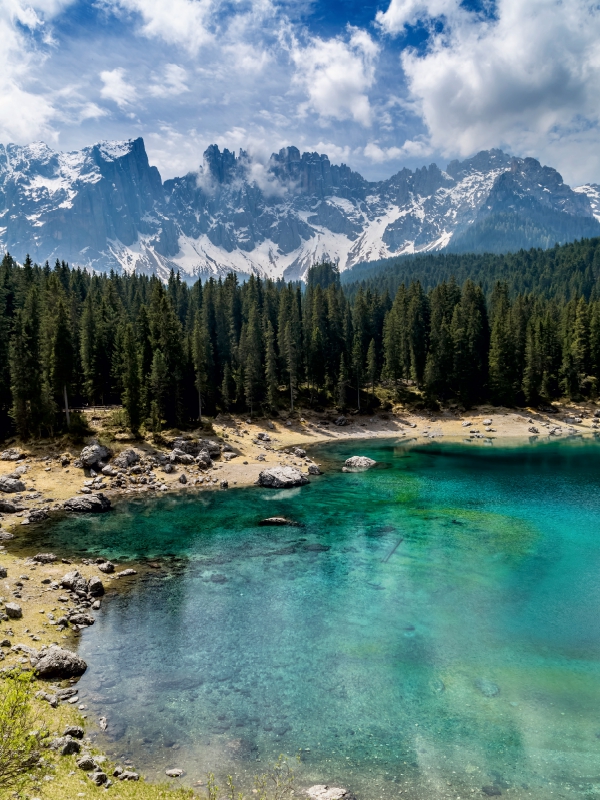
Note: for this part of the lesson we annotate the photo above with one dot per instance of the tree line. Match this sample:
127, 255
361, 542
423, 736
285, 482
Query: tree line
562, 272
172, 352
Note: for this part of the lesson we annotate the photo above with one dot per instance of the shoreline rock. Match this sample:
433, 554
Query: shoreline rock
281, 478
89, 504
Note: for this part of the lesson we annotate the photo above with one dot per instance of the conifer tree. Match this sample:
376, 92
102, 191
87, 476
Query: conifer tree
200, 354
501, 360
63, 359
372, 365
271, 366
131, 382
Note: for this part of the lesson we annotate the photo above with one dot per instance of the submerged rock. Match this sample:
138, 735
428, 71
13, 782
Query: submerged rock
281, 478
324, 792
359, 462
90, 504
174, 773
487, 688
280, 521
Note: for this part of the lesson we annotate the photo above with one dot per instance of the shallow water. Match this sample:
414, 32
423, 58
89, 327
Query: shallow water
432, 629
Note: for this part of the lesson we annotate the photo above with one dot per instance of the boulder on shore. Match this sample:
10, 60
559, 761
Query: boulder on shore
281, 478
126, 458
95, 586
58, 663
359, 462
7, 507
91, 503
11, 485
44, 558
13, 611
93, 453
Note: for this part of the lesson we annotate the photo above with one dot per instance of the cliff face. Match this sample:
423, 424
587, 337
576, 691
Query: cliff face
106, 207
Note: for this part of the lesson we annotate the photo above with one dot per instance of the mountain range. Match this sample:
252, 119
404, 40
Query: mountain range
105, 207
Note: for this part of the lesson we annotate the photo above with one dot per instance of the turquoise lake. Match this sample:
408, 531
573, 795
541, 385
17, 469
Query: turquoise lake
432, 629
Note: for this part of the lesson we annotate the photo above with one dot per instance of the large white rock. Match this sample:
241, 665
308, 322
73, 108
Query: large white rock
281, 478
93, 453
359, 462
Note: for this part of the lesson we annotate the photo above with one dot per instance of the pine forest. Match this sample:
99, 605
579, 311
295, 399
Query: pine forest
170, 353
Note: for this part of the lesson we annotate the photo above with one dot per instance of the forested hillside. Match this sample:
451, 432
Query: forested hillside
171, 352
562, 272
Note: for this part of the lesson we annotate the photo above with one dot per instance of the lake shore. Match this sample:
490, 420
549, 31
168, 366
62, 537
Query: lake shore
51, 477
55, 483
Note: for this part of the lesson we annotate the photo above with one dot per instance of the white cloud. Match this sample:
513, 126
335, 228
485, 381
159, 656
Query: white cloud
24, 114
172, 83
116, 88
412, 148
527, 79
178, 22
409, 12
337, 75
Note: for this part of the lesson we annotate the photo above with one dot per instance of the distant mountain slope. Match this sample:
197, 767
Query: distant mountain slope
105, 207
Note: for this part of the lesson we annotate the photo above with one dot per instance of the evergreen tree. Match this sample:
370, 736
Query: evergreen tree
372, 365
501, 357
131, 382
201, 357
63, 359
271, 366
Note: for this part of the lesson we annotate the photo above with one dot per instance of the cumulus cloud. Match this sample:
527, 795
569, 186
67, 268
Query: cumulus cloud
178, 22
336, 75
412, 148
116, 87
526, 78
173, 82
24, 113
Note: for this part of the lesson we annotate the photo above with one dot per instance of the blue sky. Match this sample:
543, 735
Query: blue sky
380, 84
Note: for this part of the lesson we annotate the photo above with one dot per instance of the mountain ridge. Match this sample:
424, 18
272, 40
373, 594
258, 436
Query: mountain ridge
106, 207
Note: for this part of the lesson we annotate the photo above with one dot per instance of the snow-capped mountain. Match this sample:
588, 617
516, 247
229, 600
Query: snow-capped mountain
105, 207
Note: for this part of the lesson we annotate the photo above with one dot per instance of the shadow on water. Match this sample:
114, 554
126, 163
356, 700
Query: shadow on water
432, 628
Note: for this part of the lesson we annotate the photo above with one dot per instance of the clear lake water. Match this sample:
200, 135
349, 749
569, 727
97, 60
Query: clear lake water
432, 629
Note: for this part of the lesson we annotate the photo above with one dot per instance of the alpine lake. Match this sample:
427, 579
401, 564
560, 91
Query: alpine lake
431, 630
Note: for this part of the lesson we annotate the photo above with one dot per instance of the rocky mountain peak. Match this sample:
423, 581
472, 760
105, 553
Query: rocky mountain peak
106, 207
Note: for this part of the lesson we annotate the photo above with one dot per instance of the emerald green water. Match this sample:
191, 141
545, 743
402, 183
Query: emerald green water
379, 663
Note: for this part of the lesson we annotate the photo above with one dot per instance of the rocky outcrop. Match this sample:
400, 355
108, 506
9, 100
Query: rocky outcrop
359, 463
281, 478
89, 504
54, 662
105, 207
